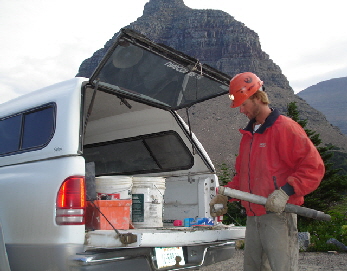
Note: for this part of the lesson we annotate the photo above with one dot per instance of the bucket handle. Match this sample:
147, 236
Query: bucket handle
158, 190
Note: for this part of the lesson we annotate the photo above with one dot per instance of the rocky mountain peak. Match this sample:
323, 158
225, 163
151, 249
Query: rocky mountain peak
157, 6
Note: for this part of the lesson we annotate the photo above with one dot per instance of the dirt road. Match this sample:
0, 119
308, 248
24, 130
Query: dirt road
308, 261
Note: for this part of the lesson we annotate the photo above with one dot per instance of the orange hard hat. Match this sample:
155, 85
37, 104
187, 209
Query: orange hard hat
242, 86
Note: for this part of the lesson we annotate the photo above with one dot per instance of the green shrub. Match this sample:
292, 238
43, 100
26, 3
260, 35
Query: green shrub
322, 231
344, 231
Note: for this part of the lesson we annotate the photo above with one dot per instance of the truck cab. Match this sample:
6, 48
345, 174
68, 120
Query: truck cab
57, 142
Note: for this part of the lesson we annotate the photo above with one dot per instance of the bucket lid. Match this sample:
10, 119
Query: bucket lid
148, 179
113, 179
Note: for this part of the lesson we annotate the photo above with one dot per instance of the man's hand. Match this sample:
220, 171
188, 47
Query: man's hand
221, 207
276, 202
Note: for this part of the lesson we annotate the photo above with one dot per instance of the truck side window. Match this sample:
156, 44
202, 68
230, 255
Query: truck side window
38, 127
10, 134
27, 130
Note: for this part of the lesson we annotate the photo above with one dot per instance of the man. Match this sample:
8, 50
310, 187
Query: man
278, 161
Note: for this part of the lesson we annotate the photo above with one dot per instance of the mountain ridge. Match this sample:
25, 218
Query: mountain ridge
335, 92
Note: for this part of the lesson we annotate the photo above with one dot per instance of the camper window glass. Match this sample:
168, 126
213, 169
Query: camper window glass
149, 153
10, 134
38, 127
27, 130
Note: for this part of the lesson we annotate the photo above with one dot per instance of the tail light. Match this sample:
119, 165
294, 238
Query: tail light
71, 202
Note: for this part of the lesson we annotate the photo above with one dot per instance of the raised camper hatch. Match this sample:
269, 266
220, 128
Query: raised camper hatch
141, 70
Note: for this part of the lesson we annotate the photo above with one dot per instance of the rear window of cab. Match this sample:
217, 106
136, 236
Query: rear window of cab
158, 152
28, 130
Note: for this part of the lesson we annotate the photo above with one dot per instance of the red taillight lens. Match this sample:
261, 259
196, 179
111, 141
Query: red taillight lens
71, 202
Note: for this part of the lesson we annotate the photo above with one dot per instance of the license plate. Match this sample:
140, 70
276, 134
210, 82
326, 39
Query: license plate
166, 256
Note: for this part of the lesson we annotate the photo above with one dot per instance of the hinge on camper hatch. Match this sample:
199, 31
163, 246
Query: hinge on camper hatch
127, 238
124, 101
190, 130
190, 180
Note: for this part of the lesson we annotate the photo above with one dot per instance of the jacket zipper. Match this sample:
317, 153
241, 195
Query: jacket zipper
249, 173
275, 182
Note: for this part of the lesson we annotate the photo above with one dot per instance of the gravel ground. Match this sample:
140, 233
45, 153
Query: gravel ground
308, 261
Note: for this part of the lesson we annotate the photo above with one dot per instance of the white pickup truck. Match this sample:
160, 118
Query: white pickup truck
122, 121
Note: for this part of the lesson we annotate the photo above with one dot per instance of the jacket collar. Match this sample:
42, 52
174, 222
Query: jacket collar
270, 120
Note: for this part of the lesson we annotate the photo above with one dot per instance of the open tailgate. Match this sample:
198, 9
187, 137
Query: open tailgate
165, 237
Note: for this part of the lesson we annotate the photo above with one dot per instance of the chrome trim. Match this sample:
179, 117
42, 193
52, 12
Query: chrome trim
90, 259
4, 263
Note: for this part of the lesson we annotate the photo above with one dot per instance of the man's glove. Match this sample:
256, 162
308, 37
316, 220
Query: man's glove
221, 207
276, 202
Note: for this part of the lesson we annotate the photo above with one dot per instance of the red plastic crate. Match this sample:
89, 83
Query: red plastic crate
116, 211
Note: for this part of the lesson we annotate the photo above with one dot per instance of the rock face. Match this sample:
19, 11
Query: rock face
217, 39
330, 98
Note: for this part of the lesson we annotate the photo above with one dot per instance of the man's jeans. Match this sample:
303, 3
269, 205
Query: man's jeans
271, 243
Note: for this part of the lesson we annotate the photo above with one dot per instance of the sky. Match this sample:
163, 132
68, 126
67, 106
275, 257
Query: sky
43, 42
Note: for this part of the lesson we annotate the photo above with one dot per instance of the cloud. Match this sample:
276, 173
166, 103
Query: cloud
30, 72
44, 42
310, 80
320, 64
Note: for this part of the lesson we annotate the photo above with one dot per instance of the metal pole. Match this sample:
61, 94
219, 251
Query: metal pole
290, 208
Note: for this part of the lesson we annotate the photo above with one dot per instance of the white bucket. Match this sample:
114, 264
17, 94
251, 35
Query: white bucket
113, 187
148, 201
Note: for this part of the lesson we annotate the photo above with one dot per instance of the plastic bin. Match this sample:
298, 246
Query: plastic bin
116, 211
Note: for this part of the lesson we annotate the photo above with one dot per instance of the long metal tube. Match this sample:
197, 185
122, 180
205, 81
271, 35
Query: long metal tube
290, 208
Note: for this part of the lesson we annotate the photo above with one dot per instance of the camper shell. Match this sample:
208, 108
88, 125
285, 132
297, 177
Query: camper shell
122, 121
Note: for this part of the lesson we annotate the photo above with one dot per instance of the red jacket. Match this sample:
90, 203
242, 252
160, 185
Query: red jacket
279, 152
